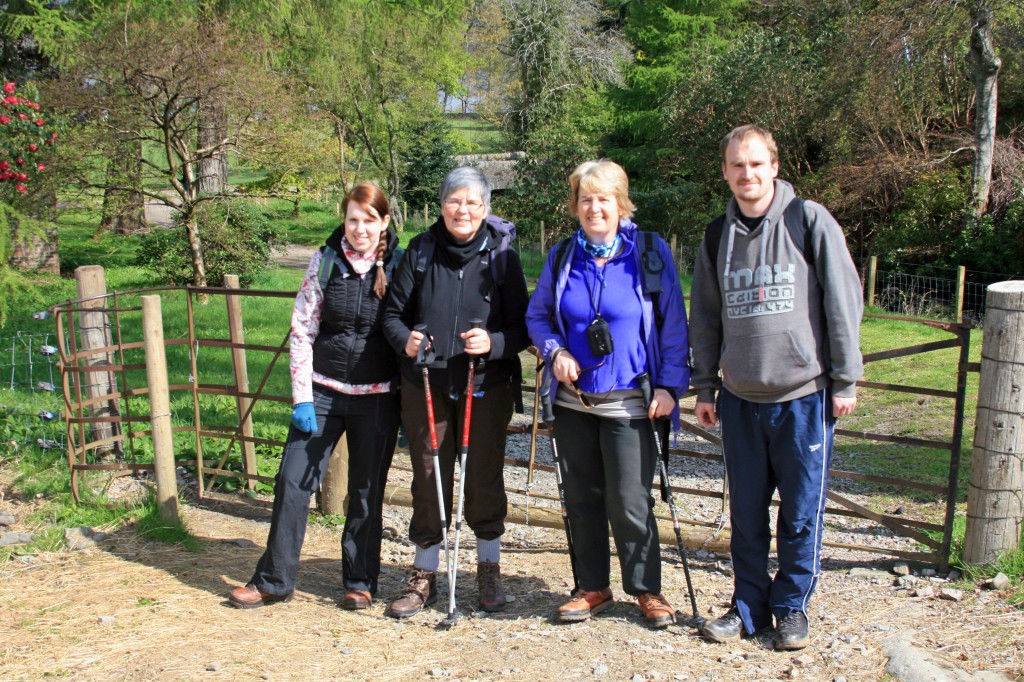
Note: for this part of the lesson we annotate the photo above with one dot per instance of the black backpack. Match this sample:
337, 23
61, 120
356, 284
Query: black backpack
796, 223
498, 264
330, 259
651, 265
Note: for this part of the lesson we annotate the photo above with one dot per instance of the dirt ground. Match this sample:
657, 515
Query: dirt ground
133, 610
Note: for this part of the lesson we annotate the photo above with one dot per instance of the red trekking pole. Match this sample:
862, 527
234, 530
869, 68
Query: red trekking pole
424, 356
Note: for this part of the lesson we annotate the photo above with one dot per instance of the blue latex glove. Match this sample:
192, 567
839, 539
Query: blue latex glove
304, 417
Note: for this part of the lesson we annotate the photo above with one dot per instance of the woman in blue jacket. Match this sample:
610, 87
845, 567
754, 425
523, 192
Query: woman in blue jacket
602, 338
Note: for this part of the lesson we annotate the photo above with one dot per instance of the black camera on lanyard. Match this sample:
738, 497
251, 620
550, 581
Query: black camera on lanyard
599, 336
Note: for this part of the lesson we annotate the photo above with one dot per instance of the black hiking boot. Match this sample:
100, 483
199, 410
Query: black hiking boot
791, 632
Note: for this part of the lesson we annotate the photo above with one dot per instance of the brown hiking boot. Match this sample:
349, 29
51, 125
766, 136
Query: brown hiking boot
585, 604
420, 591
658, 612
488, 583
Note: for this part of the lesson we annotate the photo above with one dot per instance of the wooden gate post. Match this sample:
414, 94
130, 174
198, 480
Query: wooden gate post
872, 273
995, 495
241, 379
159, 408
91, 284
334, 489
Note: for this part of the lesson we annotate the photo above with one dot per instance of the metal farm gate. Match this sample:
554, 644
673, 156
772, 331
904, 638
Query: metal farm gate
108, 417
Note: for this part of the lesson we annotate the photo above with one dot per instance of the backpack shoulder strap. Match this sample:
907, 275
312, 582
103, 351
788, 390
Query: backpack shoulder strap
713, 238
651, 266
395, 257
651, 263
328, 259
796, 223
424, 257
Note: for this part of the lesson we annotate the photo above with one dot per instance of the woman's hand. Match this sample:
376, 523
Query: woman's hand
478, 341
412, 344
565, 366
662, 404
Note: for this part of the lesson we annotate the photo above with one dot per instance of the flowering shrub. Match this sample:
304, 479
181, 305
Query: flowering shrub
23, 137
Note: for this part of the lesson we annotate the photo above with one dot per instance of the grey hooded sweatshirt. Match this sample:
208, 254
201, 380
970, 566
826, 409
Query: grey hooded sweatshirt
777, 327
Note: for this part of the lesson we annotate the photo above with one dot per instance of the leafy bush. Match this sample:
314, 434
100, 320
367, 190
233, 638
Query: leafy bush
236, 236
427, 159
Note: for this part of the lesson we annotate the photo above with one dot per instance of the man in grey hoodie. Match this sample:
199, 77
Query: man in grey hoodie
775, 307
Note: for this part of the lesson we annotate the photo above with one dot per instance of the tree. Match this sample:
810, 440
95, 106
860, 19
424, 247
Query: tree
376, 66
557, 47
985, 70
149, 79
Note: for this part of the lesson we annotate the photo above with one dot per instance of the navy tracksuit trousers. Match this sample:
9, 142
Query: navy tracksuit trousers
768, 446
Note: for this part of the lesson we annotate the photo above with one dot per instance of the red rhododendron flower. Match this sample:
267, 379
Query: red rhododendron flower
5, 166
40, 167
10, 100
20, 161
40, 122
22, 189
53, 136
23, 117
33, 147
5, 119
9, 88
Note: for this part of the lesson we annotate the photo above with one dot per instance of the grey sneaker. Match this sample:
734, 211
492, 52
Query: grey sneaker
726, 628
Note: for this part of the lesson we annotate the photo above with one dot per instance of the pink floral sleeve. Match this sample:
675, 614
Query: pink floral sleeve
305, 327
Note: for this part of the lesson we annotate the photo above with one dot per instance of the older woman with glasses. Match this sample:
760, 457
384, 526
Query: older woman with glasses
459, 271
617, 348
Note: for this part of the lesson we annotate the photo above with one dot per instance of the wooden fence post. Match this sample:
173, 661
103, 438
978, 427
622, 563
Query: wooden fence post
159, 408
238, 361
543, 240
961, 285
426, 217
872, 270
673, 244
91, 284
334, 489
995, 493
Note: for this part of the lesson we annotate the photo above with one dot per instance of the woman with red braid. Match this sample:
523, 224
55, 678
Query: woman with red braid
344, 380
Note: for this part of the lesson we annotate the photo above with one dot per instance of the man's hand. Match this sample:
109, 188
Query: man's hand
661, 404
706, 415
842, 407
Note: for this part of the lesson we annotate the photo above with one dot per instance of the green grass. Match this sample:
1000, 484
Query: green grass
480, 135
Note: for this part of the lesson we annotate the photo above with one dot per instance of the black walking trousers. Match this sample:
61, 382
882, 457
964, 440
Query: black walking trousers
371, 422
607, 471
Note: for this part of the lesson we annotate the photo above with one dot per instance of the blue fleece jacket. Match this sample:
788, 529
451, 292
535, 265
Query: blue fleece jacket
556, 320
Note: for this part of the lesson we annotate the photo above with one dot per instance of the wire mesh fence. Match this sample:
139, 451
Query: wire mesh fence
932, 292
30, 393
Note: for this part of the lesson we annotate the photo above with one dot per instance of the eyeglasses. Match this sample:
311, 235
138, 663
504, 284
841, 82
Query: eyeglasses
576, 387
455, 204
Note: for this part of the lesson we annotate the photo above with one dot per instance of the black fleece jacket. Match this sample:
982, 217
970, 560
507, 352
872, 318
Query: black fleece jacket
351, 346
450, 295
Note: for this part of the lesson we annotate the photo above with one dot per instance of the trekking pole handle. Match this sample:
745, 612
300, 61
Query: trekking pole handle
425, 345
477, 323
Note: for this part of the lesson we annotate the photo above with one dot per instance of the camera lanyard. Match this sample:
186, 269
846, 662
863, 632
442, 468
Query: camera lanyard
595, 301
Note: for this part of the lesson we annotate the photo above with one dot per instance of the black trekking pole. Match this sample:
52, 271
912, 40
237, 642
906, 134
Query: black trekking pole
549, 419
424, 356
453, 614
666, 495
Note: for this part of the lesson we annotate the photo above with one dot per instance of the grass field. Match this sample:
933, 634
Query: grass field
481, 136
